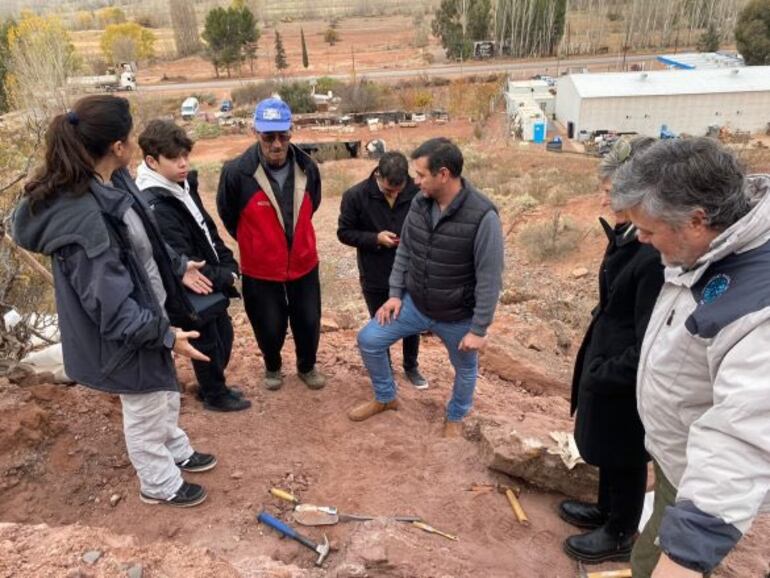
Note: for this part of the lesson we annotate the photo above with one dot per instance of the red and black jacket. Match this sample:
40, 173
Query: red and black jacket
251, 214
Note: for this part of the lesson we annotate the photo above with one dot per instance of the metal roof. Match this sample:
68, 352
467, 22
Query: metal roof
701, 60
670, 82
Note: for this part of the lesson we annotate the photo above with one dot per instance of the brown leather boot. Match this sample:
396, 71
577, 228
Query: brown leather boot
453, 429
370, 408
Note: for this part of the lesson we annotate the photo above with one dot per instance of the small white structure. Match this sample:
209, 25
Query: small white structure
528, 93
687, 101
529, 123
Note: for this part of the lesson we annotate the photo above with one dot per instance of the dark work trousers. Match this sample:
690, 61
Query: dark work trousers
411, 344
272, 306
621, 496
215, 341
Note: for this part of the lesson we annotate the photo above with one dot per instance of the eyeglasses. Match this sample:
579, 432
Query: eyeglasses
270, 137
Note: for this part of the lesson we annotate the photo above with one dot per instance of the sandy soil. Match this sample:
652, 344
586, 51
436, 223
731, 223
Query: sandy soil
364, 43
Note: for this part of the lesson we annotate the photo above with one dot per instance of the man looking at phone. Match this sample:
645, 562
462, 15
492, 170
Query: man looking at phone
372, 215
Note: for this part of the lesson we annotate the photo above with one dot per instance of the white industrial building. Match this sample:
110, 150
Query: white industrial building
686, 101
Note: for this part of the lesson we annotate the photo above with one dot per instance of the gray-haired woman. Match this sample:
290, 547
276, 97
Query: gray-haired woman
608, 431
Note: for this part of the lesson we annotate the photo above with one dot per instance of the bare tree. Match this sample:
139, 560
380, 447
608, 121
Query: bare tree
185, 25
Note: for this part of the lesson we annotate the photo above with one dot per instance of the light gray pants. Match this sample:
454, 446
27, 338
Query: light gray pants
154, 441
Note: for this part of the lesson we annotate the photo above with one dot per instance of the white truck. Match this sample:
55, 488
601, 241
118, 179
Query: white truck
121, 78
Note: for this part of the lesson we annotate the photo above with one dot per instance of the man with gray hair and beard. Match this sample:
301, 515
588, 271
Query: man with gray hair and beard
702, 385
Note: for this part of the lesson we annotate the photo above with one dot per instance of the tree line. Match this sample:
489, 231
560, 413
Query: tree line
527, 28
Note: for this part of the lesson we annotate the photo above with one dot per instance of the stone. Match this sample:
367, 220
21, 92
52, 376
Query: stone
329, 325
236, 475
114, 499
92, 557
520, 448
136, 571
515, 363
579, 273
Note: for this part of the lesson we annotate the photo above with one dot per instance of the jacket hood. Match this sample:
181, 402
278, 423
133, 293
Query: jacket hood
750, 231
69, 219
147, 178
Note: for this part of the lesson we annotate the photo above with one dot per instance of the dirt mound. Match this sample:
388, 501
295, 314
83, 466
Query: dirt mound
77, 551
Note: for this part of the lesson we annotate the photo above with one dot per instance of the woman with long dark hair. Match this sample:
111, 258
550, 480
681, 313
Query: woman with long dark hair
114, 278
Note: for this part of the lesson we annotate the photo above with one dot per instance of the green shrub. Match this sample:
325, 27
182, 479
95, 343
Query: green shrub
205, 130
253, 92
298, 96
549, 240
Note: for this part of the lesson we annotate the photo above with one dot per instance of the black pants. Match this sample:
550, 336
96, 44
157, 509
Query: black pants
411, 344
621, 495
272, 306
215, 341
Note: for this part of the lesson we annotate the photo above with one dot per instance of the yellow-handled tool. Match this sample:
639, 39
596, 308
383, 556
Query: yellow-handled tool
432, 530
516, 507
284, 495
625, 573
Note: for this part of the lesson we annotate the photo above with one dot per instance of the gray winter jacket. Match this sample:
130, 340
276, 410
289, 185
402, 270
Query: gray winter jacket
703, 391
115, 334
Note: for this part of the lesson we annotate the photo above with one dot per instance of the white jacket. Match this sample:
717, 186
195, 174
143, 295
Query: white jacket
704, 389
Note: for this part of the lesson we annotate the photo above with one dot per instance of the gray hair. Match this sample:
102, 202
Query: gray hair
673, 178
624, 149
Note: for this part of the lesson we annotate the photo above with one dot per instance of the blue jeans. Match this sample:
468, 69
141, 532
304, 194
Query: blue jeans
374, 340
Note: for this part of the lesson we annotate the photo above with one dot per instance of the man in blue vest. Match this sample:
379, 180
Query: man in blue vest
446, 279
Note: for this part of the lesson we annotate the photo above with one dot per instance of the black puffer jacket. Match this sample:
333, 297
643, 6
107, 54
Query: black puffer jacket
608, 430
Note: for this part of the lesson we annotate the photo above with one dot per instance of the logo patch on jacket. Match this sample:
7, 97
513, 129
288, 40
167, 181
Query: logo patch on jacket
263, 203
715, 288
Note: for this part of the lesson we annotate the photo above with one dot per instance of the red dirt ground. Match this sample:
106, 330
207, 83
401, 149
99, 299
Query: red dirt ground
62, 454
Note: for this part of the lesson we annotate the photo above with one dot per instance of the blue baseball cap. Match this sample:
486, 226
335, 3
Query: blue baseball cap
272, 115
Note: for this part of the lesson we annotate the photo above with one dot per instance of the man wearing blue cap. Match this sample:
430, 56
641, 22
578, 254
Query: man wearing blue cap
267, 197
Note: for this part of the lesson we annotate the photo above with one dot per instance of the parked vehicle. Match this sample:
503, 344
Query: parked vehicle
226, 105
190, 108
120, 78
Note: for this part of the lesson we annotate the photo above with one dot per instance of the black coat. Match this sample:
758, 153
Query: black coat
364, 213
608, 430
182, 233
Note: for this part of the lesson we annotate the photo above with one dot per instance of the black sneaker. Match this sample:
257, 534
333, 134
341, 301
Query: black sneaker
187, 496
198, 462
416, 378
227, 402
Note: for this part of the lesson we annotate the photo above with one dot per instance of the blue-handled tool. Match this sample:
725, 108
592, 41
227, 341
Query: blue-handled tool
321, 549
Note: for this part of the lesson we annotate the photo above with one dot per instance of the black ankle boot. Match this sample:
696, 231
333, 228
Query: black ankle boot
600, 545
581, 514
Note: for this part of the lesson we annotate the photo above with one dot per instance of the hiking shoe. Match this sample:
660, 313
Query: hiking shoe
233, 391
416, 378
314, 379
197, 462
371, 408
453, 429
187, 496
273, 380
227, 402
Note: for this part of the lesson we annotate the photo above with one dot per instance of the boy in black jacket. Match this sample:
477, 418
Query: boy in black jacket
171, 189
